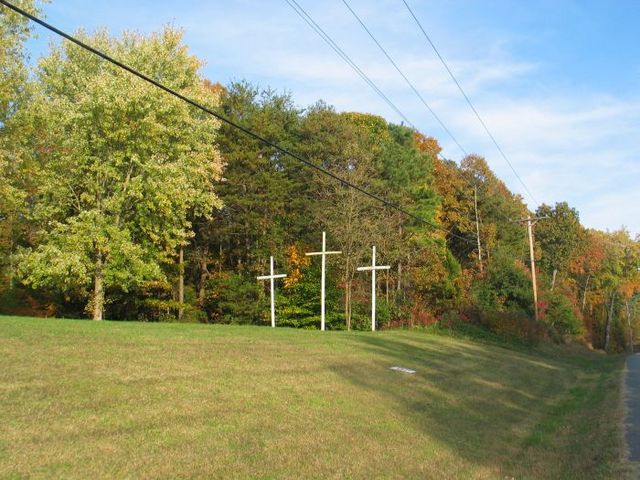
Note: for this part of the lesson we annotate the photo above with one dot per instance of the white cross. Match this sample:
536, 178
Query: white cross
373, 268
323, 254
272, 278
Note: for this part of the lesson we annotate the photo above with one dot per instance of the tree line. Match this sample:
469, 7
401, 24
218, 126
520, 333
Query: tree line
120, 202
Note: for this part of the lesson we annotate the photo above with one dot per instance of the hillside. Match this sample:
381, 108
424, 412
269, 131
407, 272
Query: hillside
96, 400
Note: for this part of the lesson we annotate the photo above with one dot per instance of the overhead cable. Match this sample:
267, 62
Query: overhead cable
341, 53
220, 117
468, 100
406, 79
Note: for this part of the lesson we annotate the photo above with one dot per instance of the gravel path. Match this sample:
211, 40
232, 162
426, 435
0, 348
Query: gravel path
633, 405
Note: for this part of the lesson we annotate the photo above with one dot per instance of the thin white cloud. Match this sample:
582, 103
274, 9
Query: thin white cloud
574, 145
568, 142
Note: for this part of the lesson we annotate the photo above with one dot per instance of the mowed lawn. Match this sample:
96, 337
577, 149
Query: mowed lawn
89, 400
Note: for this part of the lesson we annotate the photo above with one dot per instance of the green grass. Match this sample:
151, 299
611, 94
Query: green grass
80, 399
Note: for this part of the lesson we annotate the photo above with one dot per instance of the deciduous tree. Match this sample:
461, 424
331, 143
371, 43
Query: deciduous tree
121, 165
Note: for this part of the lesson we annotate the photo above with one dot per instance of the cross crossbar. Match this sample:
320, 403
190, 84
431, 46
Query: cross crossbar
310, 254
377, 267
269, 277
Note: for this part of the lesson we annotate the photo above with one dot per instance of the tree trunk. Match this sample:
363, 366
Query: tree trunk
607, 338
553, 279
475, 204
11, 266
399, 267
204, 275
386, 289
181, 283
584, 294
98, 289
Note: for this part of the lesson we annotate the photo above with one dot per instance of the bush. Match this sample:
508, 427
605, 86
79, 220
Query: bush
508, 325
298, 305
558, 314
150, 302
233, 298
333, 321
505, 287
436, 282
29, 303
360, 320
384, 312
514, 325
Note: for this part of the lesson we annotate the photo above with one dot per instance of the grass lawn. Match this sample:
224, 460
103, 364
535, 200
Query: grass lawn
89, 400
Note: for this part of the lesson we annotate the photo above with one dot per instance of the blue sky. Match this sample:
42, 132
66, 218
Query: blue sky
558, 82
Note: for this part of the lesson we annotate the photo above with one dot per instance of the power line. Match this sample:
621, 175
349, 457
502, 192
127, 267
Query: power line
327, 38
466, 97
220, 117
336, 48
415, 90
341, 53
406, 79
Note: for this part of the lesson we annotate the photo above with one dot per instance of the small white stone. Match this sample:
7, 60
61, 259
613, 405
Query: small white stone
402, 369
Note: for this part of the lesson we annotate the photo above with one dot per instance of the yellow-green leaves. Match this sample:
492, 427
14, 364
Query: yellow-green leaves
124, 167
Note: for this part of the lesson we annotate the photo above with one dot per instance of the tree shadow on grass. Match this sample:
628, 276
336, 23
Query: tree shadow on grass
483, 402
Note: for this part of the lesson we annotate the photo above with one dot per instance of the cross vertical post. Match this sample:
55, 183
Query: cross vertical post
272, 277
323, 280
273, 296
373, 268
373, 292
323, 254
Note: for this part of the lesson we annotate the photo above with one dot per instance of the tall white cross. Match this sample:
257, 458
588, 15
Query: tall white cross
272, 277
323, 254
373, 268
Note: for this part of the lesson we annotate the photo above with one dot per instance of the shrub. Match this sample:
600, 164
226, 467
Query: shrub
233, 298
559, 315
298, 304
150, 302
513, 325
360, 320
508, 325
435, 284
505, 287
26, 302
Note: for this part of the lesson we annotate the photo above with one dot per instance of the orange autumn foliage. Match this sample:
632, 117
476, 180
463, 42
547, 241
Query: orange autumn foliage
297, 262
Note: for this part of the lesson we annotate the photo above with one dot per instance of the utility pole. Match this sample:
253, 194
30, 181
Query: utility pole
531, 221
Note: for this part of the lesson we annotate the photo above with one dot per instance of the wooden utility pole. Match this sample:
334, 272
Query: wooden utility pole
531, 221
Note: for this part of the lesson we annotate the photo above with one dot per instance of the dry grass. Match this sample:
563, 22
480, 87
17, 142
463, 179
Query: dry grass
114, 400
